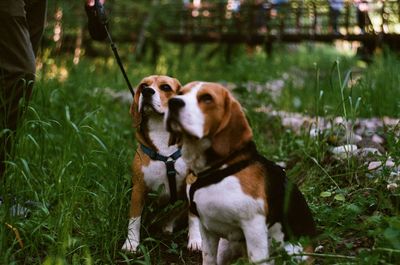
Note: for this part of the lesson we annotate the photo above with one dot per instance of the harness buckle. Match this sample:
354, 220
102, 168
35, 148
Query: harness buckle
170, 166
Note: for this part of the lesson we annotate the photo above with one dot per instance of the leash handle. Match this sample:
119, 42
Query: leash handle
101, 13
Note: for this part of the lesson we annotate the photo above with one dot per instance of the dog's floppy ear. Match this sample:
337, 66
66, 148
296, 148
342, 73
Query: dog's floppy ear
134, 110
234, 131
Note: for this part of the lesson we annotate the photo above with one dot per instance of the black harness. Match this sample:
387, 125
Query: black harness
216, 174
170, 164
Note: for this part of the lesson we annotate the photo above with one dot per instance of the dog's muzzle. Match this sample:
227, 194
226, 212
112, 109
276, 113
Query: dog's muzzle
147, 99
148, 92
173, 123
175, 104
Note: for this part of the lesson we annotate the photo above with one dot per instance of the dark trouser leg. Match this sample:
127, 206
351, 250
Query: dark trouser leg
18, 44
15, 93
36, 17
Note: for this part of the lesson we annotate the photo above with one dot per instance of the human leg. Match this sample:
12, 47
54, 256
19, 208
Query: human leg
20, 40
17, 68
36, 18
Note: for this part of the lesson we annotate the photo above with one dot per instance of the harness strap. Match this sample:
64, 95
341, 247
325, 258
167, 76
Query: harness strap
249, 148
170, 165
208, 177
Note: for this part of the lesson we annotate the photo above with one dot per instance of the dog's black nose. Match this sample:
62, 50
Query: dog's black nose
175, 103
148, 92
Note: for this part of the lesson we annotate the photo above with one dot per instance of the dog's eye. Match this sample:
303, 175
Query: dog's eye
206, 98
166, 88
143, 85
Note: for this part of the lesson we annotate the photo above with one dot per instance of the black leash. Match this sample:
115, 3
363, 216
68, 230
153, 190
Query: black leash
98, 29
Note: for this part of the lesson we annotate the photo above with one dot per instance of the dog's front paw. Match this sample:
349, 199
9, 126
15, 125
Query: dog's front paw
130, 245
194, 244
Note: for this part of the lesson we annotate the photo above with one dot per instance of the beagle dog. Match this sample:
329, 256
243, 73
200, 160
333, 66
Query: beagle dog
156, 163
239, 195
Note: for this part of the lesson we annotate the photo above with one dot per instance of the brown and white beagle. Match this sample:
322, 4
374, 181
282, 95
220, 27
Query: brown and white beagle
237, 193
156, 163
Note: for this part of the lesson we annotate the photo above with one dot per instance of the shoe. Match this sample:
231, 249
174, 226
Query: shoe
17, 210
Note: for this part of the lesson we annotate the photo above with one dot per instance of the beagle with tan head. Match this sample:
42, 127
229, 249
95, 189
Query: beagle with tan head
237, 193
156, 163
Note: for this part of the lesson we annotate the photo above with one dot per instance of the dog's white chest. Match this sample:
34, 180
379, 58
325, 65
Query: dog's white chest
155, 175
224, 205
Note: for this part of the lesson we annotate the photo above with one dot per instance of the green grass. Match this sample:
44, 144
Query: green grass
75, 147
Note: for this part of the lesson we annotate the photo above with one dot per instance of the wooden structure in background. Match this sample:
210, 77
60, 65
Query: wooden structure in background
296, 21
217, 22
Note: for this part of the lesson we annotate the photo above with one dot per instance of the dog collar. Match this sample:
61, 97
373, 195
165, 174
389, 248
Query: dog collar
216, 173
170, 164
